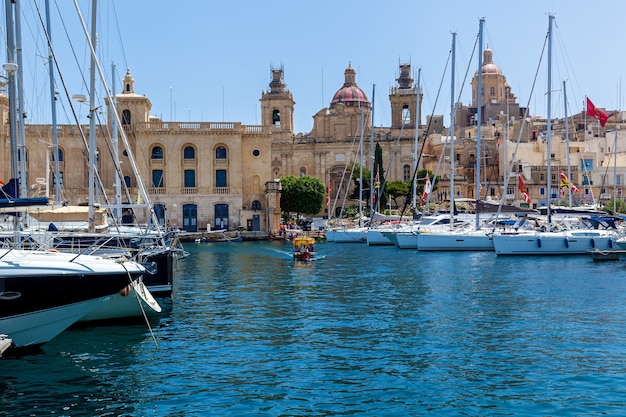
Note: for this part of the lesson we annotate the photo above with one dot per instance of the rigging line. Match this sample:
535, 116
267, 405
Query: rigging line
142, 190
467, 70
519, 136
426, 133
119, 35
343, 175
71, 45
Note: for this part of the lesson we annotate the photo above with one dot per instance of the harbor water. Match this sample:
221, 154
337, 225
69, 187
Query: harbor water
365, 331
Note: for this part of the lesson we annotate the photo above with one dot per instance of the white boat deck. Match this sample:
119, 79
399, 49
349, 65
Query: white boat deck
5, 343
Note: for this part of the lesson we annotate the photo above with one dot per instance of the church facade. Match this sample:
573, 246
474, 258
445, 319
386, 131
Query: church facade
224, 175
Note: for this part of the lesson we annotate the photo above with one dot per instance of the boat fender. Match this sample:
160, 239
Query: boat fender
125, 291
566, 242
593, 243
611, 243
538, 242
52, 250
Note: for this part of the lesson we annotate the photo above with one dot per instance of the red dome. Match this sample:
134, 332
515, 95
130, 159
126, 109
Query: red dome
350, 94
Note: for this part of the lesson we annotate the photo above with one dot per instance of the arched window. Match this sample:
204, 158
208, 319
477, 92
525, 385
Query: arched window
406, 113
60, 151
157, 152
126, 117
127, 181
189, 152
406, 172
220, 152
302, 171
276, 117
256, 205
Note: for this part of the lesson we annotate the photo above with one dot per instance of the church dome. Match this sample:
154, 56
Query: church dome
350, 94
489, 67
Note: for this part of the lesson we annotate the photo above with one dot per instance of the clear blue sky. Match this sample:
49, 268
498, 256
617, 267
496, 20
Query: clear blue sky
210, 61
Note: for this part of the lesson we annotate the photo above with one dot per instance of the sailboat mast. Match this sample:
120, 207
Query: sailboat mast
20, 103
53, 109
479, 118
92, 122
11, 67
115, 140
361, 171
372, 161
451, 133
569, 170
417, 124
549, 121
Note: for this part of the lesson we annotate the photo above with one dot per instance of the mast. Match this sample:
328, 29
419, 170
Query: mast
11, 68
451, 133
23, 183
479, 117
361, 171
569, 170
372, 162
417, 103
92, 122
118, 185
53, 107
614, 171
549, 121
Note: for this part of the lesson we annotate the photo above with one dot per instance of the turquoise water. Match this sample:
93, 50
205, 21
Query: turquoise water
367, 331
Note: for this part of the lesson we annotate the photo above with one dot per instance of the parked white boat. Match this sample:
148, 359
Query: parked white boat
567, 242
353, 235
42, 292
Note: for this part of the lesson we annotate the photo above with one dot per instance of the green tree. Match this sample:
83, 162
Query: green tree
397, 189
366, 182
381, 191
615, 206
302, 195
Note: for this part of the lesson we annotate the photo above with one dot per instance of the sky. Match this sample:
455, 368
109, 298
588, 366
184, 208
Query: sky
206, 61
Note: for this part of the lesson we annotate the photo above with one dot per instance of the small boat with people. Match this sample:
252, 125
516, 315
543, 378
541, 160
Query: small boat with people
303, 248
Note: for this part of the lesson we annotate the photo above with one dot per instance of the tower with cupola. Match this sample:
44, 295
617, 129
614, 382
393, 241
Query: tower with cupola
405, 108
277, 105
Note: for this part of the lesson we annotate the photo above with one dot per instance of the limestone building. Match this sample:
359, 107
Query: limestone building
222, 175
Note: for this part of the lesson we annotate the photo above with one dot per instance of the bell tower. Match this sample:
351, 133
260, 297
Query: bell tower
132, 107
277, 105
403, 98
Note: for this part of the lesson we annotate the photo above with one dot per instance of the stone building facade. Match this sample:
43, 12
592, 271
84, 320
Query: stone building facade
223, 175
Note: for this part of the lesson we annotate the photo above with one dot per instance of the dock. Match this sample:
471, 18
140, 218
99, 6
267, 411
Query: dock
5, 343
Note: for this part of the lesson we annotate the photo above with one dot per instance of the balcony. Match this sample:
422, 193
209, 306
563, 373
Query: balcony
157, 190
190, 190
221, 190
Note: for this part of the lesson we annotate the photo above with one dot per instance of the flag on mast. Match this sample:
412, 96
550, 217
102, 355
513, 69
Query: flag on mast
565, 183
426, 190
522, 187
593, 111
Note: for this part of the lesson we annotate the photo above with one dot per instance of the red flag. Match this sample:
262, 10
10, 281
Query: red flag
565, 182
522, 188
426, 190
597, 113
